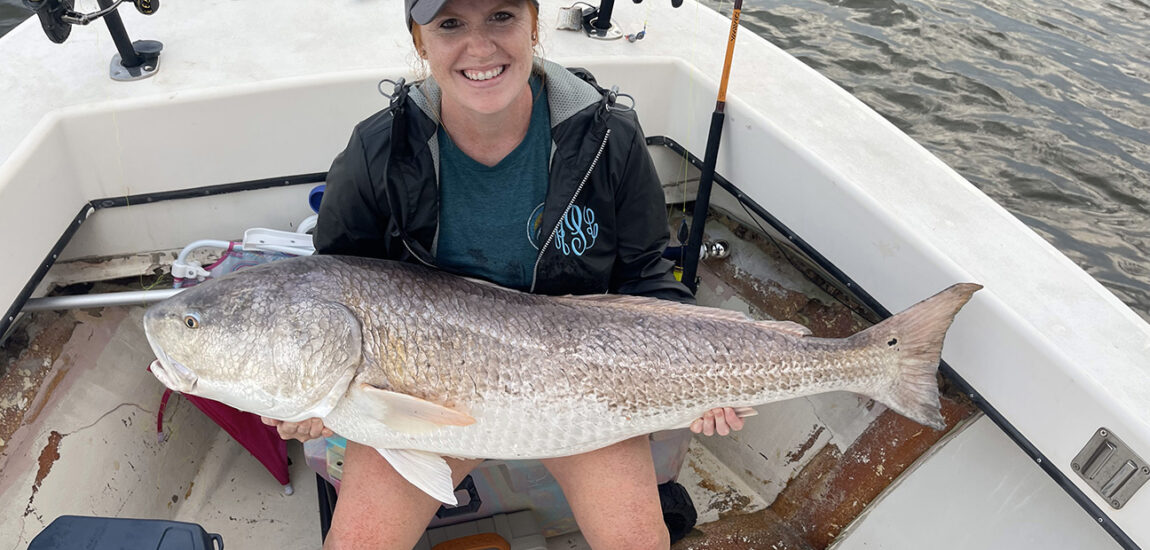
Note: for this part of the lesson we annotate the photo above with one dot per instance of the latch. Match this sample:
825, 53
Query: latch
1111, 468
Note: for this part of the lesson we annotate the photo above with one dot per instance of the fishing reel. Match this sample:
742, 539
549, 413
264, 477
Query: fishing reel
596, 22
135, 60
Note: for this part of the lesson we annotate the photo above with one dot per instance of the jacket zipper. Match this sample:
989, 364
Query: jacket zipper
412, 252
554, 230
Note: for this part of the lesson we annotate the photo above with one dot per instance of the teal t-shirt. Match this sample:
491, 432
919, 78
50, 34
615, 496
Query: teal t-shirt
489, 216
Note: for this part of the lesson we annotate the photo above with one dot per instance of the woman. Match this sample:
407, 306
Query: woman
515, 170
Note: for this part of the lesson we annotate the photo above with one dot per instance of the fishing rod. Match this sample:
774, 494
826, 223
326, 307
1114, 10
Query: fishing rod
703, 199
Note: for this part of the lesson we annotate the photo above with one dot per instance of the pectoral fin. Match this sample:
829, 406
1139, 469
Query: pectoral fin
404, 413
426, 471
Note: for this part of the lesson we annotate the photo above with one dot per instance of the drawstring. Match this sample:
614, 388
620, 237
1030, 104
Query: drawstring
611, 98
399, 88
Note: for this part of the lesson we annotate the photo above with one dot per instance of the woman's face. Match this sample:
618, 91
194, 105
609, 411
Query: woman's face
480, 52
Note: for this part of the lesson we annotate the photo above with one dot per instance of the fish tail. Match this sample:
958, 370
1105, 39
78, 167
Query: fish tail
917, 333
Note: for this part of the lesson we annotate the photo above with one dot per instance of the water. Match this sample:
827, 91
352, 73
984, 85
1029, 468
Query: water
1042, 104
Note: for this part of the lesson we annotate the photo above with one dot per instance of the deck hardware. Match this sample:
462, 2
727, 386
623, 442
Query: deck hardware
1111, 468
134, 60
718, 249
597, 22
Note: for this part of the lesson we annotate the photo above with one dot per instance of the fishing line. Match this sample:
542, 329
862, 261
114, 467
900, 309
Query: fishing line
685, 163
120, 158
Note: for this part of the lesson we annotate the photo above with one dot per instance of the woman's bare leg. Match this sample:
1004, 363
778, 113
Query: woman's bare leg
379, 509
614, 495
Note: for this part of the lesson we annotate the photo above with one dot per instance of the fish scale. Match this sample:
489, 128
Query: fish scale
419, 363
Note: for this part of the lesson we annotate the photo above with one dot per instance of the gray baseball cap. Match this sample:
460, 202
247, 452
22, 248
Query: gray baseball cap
423, 11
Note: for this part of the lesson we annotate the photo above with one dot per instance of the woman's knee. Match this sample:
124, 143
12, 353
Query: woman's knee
614, 496
377, 507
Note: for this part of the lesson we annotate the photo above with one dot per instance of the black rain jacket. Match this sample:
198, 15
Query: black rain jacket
604, 224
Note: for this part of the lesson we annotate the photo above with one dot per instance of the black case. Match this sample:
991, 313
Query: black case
95, 533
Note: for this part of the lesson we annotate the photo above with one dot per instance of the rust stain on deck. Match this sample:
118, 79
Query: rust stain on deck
797, 454
26, 359
726, 500
831, 491
48, 391
762, 530
835, 487
48, 457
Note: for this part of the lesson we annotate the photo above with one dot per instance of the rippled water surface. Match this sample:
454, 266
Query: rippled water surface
1043, 104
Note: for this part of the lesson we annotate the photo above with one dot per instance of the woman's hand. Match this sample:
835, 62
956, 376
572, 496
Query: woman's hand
722, 420
302, 430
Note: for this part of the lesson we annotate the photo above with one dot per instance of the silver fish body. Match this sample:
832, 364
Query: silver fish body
419, 363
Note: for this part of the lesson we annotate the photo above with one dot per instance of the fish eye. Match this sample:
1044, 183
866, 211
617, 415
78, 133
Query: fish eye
192, 320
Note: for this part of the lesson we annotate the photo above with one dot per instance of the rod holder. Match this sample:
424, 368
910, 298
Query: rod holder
133, 60
597, 22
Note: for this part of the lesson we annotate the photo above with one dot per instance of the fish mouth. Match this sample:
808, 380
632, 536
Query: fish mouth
176, 377
171, 373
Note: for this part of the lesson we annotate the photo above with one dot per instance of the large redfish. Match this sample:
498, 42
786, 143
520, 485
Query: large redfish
422, 364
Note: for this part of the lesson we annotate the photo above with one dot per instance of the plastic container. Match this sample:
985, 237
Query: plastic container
97, 533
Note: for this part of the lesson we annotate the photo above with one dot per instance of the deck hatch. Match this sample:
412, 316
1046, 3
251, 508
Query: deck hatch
1111, 468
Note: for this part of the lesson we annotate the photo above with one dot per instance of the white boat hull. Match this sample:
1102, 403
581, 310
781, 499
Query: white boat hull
1053, 351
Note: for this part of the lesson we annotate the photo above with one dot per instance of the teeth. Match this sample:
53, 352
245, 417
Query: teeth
484, 75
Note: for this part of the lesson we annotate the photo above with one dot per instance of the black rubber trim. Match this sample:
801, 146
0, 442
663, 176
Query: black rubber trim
146, 198
253, 185
947, 371
42, 270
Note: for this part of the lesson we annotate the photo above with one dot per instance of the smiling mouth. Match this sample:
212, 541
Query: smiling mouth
480, 76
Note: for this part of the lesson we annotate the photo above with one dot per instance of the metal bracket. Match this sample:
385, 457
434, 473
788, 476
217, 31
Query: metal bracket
1111, 468
146, 50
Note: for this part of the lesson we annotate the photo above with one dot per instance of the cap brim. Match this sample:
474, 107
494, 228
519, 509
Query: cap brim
424, 10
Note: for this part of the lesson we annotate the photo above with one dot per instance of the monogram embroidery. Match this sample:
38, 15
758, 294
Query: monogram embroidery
578, 231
